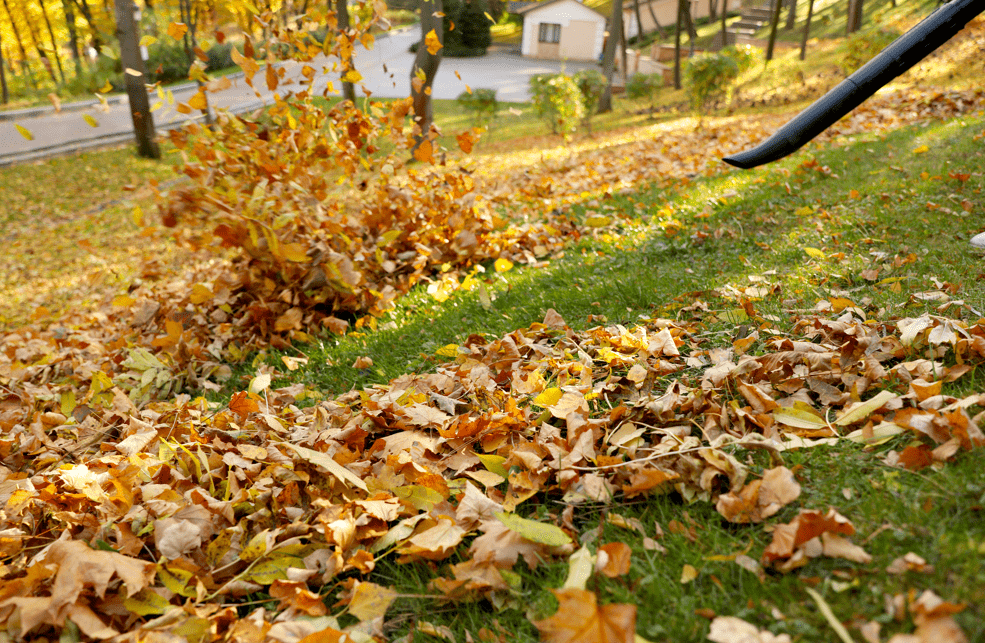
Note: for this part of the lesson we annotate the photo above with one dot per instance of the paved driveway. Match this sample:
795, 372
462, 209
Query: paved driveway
385, 70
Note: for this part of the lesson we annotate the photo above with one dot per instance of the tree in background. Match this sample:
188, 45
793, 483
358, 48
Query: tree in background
854, 16
422, 74
342, 16
609, 56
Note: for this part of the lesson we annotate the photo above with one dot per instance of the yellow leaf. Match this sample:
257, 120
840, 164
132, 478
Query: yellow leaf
200, 293
105, 89
26, 133
490, 18
798, 418
532, 530
370, 601
124, 301
90, 120
432, 42
133, 72
177, 29
367, 39
549, 397
147, 41
256, 548
840, 303
494, 464
814, 252
275, 568
598, 221
352, 76
448, 350
502, 265
688, 574
183, 109
198, 101
921, 150
805, 211
326, 462
866, 409
294, 251
146, 602
424, 152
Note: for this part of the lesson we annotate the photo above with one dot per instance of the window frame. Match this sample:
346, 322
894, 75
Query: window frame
549, 33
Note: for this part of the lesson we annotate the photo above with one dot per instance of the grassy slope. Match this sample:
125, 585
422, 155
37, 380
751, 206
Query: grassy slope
758, 225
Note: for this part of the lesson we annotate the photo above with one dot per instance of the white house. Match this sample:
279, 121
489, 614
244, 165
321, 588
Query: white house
562, 30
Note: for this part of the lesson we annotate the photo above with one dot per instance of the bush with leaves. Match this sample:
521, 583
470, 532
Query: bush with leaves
745, 56
482, 103
557, 99
709, 76
591, 83
644, 86
167, 61
862, 46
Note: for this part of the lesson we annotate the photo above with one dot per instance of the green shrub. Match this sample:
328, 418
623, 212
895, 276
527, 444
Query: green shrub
220, 56
745, 56
709, 76
644, 86
557, 99
862, 46
167, 62
482, 103
475, 25
591, 83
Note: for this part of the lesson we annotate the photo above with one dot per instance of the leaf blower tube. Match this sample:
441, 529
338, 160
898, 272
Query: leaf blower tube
904, 52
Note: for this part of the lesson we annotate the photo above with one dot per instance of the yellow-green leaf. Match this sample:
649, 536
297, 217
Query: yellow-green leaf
549, 397
798, 418
352, 76
371, 601
866, 409
494, 464
326, 462
814, 252
145, 602
532, 530
448, 350
274, 568
598, 221
26, 133
90, 120
147, 41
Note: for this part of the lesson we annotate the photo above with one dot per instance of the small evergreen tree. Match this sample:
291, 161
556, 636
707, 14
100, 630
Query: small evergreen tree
475, 26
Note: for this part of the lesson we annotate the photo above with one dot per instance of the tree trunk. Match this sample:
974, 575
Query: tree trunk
20, 45
97, 41
143, 120
424, 69
639, 20
692, 31
609, 56
724, 28
342, 15
42, 54
807, 30
656, 23
854, 16
4, 93
677, 43
712, 10
624, 46
774, 23
54, 43
73, 37
791, 15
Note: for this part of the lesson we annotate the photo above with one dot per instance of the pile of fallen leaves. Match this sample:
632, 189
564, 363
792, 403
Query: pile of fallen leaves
154, 522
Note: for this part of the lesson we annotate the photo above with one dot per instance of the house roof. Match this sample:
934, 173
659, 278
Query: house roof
532, 6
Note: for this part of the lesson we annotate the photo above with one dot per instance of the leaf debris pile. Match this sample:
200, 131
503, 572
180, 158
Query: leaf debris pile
191, 507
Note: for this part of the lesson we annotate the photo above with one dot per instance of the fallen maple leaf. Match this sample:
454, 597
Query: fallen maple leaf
580, 619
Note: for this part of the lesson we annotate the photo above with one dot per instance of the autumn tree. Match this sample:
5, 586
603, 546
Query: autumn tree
774, 23
609, 56
807, 29
855, 13
342, 16
3, 75
423, 71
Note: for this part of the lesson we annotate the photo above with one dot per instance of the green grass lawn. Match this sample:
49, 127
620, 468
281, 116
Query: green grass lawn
881, 221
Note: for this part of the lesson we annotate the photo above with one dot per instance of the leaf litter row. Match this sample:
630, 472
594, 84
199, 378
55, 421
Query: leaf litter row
191, 506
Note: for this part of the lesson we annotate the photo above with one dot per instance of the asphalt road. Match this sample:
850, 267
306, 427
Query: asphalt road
385, 70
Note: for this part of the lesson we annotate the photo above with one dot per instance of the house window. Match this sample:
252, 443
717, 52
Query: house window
550, 32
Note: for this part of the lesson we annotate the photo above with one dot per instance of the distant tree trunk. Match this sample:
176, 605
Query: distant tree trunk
656, 23
677, 44
20, 45
724, 28
342, 15
639, 20
609, 57
807, 30
97, 41
791, 15
774, 23
622, 49
73, 37
712, 10
425, 68
54, 43
854, 16
692, 31
4, 93
42, 54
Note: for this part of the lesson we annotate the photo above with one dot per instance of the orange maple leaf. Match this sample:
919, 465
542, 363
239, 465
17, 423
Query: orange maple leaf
580, 619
